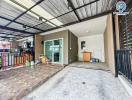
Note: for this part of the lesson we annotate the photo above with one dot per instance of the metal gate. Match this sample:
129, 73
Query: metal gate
124, 55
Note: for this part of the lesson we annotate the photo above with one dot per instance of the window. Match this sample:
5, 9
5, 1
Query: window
83, 45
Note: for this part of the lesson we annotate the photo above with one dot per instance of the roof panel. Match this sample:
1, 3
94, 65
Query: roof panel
32, 30
26, 3
68, 18
88, 1
25, 35
16, 26
28, 20
1, 35
112, 4
8, 33
99, 6
1, 39
44, 26
9, 11
93, 8
17, 33
82, 12
5, 31
55, 7
89, 13
78, 3
3, 22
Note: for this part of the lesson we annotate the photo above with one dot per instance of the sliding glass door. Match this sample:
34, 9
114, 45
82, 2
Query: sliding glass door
54, 50
48, 50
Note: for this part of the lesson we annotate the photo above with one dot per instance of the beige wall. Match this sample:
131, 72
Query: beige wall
109, 45
38, 46
117, 32
94, 44
70, 49
61, 34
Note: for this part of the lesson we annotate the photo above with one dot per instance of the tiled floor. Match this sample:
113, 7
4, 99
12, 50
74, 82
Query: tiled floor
16, 83
98, 66
80, 84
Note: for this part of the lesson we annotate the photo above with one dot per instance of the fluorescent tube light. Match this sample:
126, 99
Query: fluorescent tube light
50, 24
15, 5
55, 21
37, 9
26, 3
19, 7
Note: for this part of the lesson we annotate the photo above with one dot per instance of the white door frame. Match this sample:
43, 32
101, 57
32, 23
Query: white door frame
62, 60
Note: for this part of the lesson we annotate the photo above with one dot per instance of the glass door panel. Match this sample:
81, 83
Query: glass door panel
56, 54
61, 50
49, 50
54, 51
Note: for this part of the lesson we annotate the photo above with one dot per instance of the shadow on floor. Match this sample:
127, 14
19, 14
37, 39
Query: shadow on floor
87, 65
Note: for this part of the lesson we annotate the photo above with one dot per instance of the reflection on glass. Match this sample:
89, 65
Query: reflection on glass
53, 50
48, 50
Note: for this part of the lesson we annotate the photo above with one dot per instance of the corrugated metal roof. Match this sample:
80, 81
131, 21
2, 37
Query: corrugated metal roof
16, 15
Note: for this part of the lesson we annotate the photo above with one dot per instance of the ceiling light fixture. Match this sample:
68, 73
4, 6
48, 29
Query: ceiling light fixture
68, 5
40, 18
87, 31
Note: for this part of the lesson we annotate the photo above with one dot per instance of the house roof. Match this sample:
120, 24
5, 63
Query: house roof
22, 18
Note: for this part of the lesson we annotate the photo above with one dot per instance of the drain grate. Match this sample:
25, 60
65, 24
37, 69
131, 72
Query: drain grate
83, 82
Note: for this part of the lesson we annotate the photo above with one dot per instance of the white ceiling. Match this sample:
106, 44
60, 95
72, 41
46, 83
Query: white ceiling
90, 27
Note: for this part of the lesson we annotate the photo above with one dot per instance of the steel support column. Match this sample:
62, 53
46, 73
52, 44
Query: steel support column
115, 45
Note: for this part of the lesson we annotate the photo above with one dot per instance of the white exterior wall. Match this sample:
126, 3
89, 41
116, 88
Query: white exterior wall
94, 44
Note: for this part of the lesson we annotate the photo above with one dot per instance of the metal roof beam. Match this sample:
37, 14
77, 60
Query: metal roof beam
85, 19
71, 11
5, 37
15, 30
25, 12
11, 34
33, 12
5, 33
21, 23
74, 9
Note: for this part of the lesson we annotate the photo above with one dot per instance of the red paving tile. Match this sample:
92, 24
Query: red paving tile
16, 83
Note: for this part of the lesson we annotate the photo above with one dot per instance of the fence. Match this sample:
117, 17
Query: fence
124, 63
8, 60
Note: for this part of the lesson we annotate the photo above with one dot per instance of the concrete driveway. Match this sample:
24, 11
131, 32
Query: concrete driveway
80, 84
